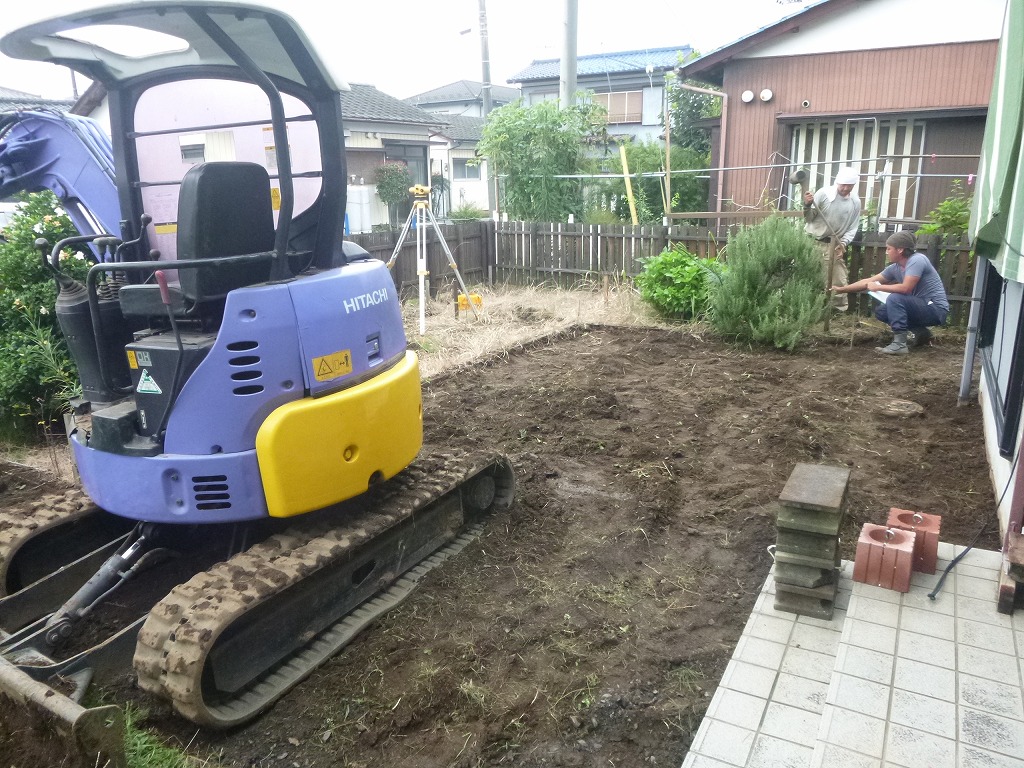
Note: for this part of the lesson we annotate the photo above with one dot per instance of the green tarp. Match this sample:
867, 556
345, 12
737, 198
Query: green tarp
997, 219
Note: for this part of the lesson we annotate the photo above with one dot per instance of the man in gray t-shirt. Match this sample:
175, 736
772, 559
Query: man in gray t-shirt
914, 297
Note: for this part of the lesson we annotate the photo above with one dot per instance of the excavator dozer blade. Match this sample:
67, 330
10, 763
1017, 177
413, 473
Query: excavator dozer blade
44, 717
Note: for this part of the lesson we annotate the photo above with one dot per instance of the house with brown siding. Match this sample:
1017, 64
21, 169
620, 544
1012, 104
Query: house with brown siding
897, 88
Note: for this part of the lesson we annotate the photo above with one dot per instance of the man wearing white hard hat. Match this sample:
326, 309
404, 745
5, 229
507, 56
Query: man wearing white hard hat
834, 212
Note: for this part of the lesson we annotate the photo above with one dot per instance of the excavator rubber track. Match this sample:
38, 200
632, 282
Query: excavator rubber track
231, 641
49, 512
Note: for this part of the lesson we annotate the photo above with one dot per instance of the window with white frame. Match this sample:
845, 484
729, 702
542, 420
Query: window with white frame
463, 169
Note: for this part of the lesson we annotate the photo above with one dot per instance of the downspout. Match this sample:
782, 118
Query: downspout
721, 139
974, 318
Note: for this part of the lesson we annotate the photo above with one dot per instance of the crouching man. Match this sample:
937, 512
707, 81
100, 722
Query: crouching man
911, 293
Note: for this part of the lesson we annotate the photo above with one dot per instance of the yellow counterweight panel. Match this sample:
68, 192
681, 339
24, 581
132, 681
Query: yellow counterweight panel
319, 451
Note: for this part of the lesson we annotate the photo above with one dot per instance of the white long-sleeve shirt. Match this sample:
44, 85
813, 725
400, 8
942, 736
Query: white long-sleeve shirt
842, 213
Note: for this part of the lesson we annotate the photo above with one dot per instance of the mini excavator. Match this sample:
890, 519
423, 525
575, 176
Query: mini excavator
249, 436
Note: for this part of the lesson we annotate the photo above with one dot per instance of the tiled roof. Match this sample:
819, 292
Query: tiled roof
463, 128
364, 102
606, 63
11, 100
464, 90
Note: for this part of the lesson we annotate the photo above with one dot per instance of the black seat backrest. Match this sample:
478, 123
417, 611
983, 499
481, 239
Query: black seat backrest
224, 209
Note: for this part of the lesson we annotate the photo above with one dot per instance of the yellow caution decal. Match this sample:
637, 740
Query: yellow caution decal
319, 451
332, 366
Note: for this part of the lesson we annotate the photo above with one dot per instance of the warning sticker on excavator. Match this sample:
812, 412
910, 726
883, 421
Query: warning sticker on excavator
132, 362
148, 385
332, 366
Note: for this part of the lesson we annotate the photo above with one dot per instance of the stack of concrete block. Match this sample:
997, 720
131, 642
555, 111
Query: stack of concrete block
807, 557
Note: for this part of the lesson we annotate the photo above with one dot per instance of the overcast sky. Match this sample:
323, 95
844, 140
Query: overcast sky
404, 47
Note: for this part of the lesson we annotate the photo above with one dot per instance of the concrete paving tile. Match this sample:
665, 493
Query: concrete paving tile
991, 696
983, 558
859, 695
722, 741
770, 752
816, 666
800, 692
866, 608
927, 581
875, 592
991, 732
925, 622
964, 568
834, 624
772, 628
922, 713
914, 749
749, 678
815, 638
979, 589
867, 664
875, 637
989, 664
694, 760
947, 551
857, 732
983, 635
785, 722
918, 598
982, 610
757, 651
737, 708
926, 648
973, 757
832, 756
926, 679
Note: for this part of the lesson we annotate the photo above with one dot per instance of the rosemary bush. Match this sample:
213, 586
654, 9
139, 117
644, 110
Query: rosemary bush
773, 290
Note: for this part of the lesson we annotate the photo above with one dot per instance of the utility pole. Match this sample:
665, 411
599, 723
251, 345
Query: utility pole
485, 60
485, 93
567, 80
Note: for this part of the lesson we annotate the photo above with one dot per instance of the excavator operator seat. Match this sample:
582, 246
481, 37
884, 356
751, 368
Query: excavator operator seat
224, 209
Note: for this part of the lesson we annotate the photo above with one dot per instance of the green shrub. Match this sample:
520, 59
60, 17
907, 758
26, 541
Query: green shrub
469, 211
37, 375
952, 216
677, 283
773, 289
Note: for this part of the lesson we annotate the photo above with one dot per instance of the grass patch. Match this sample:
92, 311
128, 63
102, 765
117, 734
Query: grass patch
144, 750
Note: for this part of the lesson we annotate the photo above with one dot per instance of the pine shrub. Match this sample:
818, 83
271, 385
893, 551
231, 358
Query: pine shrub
773, 290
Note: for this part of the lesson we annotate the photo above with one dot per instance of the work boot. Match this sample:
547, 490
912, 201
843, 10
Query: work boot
897, 347
920, 337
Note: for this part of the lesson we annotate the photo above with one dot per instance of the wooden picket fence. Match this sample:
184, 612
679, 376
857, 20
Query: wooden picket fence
568, 255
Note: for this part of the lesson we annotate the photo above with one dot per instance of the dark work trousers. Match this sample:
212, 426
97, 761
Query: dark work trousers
901, 312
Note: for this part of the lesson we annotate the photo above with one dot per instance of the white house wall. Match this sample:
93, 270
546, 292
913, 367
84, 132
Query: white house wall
876, 24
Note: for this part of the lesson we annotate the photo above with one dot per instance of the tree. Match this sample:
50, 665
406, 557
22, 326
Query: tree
529, 147
393, 181
686, 108
689, 192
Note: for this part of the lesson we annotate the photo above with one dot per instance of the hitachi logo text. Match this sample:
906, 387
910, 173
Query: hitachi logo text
366, 300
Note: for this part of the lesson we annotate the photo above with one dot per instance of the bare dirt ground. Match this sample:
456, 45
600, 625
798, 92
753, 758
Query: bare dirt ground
590, 623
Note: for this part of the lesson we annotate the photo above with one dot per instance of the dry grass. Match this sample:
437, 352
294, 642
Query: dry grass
514, 316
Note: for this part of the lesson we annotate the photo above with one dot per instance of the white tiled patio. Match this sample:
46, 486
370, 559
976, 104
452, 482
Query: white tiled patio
894, 679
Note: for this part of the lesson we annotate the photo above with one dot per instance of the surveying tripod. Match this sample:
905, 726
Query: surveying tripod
422, 214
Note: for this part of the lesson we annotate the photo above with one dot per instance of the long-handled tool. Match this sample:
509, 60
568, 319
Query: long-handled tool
799, 178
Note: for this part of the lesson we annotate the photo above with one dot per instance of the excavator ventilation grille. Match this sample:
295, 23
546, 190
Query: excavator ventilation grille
211, 492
